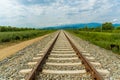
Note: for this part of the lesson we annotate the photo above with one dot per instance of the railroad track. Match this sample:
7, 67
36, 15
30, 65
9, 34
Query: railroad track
62, 60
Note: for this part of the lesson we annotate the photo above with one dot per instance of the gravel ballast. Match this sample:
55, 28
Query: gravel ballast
107, 58
10, 67
62, 66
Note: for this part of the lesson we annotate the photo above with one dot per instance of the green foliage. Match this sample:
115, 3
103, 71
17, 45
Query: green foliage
86, 28
107, 26
118, 28
21, 35
116, 31
97, 29
102, 39
9, 28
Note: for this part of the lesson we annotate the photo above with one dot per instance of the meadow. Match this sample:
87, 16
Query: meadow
103, 39
21, 35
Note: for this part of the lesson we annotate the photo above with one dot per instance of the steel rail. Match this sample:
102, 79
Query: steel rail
88, 65
38, 68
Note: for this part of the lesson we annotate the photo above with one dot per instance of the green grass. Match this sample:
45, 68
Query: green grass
102, 39
21, 35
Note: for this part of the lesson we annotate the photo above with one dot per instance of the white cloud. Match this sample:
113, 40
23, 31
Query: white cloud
35, 10
12, 12
9, 8
115, 20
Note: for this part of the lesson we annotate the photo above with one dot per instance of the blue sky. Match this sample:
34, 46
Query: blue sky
39, 13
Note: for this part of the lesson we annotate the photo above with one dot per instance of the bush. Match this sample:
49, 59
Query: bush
21, 35
107, 26
102, 39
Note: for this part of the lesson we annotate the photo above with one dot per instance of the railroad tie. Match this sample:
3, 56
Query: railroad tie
95, 63
63, 54
24, 71
36, 58
31, 63
64, 72
64, 51
86, 54
39, 54
90, 58
63, 64
103, 72
73, 58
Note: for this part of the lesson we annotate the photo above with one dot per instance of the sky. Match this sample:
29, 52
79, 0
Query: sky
42, 13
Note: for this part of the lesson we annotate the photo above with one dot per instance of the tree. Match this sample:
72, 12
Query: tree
107, 26
98, 29
86, 28
118, 28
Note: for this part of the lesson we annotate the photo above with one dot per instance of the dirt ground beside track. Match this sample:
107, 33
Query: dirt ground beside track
10, 50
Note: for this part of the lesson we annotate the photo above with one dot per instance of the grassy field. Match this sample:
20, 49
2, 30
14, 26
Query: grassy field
21, 35
14, 37
102, 39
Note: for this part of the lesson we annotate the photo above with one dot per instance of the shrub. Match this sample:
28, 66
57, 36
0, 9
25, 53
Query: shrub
21, 35
102, 39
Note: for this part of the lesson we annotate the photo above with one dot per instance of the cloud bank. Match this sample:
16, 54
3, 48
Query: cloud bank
39, 13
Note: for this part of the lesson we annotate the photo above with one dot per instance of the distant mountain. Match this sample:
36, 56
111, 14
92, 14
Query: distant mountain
116, 25
77, 26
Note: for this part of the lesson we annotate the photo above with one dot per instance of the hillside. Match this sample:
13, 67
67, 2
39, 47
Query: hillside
77, 26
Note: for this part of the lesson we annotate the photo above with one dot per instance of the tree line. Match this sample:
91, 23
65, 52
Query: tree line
9, 28
107, 26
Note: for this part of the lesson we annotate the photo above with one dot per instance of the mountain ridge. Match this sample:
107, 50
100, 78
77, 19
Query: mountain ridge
77, 26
